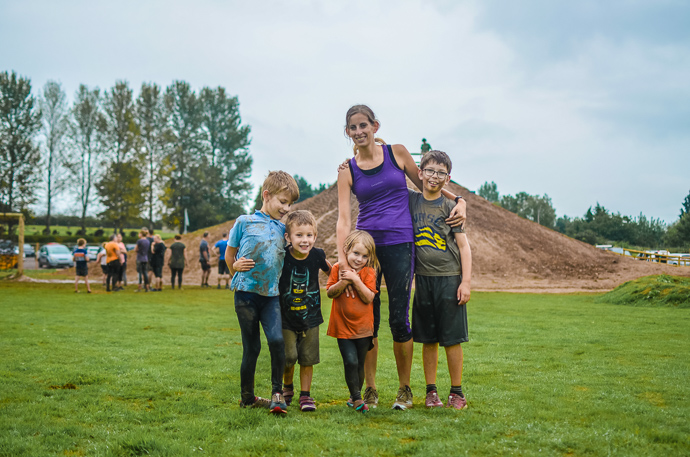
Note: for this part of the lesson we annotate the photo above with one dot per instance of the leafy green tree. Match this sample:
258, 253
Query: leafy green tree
186, 152
152, 123
306, 190
55, 112
532, 207
489, 191
120, 186
86, 124
686, 205
227, 146
678, 234
20, 121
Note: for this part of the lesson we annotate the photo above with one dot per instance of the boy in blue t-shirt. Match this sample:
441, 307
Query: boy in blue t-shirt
223, 270
81, 262
258, 245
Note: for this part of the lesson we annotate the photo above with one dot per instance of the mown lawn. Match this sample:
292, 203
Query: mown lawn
158, 374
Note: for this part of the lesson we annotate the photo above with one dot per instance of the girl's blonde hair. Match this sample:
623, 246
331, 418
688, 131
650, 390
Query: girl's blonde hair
360, 236
361, 109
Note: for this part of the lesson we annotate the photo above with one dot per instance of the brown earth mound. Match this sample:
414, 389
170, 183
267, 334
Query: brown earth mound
508, 253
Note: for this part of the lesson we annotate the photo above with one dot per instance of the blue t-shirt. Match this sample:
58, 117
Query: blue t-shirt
262, 239
222, 245
143, 246
81, 256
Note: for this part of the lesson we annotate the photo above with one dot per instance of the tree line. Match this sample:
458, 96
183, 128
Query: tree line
150, 156
598, 225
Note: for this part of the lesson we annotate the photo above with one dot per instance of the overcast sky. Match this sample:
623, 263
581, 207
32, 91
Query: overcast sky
586, 101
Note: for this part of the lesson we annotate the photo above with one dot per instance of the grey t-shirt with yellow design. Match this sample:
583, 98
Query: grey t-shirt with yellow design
436, 253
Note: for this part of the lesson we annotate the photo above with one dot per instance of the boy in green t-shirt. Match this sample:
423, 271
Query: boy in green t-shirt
443, 267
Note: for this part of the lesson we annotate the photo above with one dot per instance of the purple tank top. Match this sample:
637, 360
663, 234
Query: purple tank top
384, 209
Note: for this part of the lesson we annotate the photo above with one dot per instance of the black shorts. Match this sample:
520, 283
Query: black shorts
436, 315
104, 269
157, 270
82, 270
204, 265
223, 268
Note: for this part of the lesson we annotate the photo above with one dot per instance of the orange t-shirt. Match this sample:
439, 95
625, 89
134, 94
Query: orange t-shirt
350, 317
112, 251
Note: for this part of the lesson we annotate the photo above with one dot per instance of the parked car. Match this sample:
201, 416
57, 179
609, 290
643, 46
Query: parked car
29, 251
55, 255
93, 251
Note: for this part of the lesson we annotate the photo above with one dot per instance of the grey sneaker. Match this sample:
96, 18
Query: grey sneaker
371, 397
403, 400
278, 405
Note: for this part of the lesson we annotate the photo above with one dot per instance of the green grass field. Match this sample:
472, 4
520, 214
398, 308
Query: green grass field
63, 229
158, 374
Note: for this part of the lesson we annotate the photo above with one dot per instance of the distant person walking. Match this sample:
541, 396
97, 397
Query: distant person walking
81, 261
112, 249
150, 253
142, 249
426, 147
204, 258
157, 260
223, 270
178, 261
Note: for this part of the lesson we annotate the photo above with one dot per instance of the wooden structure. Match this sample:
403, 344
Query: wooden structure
20, 241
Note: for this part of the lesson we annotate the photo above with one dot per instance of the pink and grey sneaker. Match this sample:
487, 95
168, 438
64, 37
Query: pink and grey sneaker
456, 401
360, 406
307, 403
432, 400
287, 395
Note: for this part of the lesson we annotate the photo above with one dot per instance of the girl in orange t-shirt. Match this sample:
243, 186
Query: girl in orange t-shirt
352, 315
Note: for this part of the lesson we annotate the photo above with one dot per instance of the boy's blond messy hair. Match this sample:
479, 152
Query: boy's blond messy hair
438, 157
360, 236
300, 217
280, 181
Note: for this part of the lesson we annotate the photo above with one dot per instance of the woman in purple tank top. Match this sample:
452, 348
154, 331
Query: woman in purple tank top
376, 176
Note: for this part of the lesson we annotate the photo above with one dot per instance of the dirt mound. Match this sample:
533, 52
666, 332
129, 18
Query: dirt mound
509, 253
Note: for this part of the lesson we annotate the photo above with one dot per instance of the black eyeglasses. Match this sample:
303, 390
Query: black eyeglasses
430, 173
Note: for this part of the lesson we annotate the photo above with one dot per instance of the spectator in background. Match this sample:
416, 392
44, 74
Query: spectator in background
123, 262
150, 268
223, 270
157, 258
177, 262
204, 259
101, 259
81, 261
112, 249
142, 249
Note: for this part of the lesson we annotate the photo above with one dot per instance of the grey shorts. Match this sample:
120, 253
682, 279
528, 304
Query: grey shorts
436, 315
301, 347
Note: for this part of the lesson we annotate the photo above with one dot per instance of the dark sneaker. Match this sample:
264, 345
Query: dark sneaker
403, 400
371, 397
287, 395
278, 405
307, 403
456, 401
257, 403
432, 400
360, 406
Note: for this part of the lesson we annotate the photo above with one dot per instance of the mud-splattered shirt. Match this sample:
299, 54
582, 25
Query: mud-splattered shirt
436, 253
262, 239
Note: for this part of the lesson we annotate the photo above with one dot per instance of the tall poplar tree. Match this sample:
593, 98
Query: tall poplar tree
150, 116
228, 143
120, 186
20, 121
55, 112
86, 124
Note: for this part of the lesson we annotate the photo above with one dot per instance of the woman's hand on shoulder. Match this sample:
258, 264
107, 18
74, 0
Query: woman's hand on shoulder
458, 214
344, 166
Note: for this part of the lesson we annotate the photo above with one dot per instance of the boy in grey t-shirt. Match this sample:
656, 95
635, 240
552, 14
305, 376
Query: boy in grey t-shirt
443, 267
